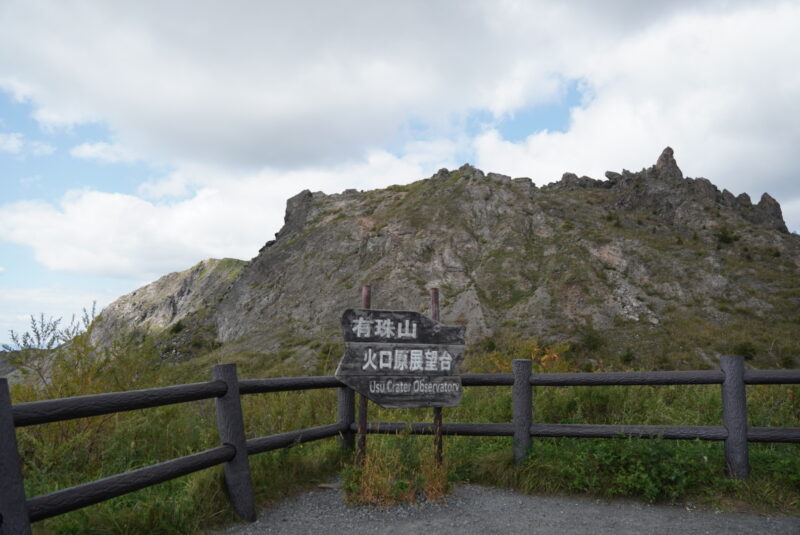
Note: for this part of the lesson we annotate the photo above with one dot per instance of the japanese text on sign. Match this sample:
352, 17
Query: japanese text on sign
400, 358
386, 328
422, 360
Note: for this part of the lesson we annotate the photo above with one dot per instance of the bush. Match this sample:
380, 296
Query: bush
628, 357
745, 349
657, 470
591, 340
725, 236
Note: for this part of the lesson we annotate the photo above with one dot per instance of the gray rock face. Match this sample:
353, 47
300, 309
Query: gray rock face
636, 253
161, 305
667, 167
768, 213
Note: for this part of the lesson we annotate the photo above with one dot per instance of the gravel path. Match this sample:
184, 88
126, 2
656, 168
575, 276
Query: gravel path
483, 510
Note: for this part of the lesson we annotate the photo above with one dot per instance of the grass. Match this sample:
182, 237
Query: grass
69, 453
653, 470
398, 468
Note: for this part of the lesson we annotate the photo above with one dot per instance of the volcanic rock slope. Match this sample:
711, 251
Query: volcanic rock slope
178, 307
649, 267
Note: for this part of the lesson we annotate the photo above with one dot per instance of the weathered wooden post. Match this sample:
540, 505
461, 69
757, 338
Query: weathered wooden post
437, 411
521, 408
230, 425
13, 509
347, 417
734, 416
361, 453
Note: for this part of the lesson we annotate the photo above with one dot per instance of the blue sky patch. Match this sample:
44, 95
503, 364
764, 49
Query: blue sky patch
26, 175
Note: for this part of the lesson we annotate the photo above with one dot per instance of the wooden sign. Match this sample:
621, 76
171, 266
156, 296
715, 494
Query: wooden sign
401, 359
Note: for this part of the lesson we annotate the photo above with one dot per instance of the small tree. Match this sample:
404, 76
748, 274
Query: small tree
48, 346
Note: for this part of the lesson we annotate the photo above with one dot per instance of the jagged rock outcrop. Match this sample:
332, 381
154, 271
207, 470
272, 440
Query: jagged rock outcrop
666, 166
654, 261
177, 302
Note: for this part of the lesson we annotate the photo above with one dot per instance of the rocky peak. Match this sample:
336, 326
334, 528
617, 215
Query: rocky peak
766, 213
625, 256
667, 167
182, 297
770, 212
571, 181
675, 200
743, 201
297, 210
470, 172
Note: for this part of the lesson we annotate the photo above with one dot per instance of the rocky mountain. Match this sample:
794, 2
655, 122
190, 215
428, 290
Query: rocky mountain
177, 307
648, 269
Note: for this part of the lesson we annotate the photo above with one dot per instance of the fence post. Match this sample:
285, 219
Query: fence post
230, 425
13, 509
347, 416
734, 416
521, 408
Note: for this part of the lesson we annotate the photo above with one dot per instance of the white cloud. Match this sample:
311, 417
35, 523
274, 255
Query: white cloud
727, 105
176, 184
791, 214
18, 304
39, 148
31, 181
11, 142
2, 269
286, 98
281, 85
128, 236
105, 152
45, 300
15, 143
288, 87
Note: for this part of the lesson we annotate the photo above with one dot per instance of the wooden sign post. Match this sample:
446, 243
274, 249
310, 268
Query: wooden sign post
361, 452
437, 411
401, 359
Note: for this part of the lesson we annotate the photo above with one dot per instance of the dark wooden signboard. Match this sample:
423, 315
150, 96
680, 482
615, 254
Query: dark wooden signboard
401, 359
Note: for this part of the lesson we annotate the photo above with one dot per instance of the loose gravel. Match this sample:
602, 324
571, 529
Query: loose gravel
483, 510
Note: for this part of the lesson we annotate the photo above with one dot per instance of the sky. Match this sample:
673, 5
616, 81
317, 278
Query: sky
138, 138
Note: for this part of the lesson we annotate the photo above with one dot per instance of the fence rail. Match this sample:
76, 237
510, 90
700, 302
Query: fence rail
284, 384
57, 410
670, 432
694, 377
17, 511
66, 500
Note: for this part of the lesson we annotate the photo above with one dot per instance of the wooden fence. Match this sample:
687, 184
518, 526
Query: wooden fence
17, 511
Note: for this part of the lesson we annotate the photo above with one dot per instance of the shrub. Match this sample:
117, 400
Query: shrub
628, 357
725, 236
745, 349
591, 340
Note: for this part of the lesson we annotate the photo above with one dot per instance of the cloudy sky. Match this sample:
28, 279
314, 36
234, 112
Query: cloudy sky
138, 138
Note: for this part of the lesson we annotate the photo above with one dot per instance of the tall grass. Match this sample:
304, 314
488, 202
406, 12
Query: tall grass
649, 469
68, 453
397, 468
